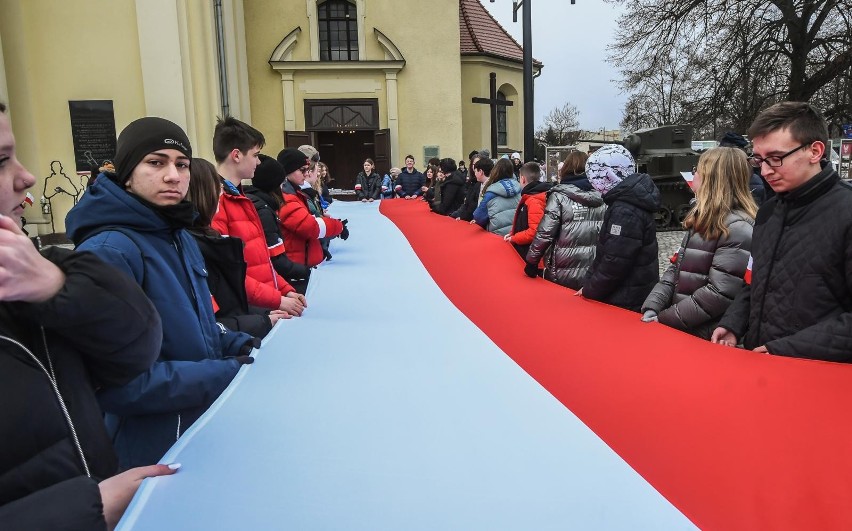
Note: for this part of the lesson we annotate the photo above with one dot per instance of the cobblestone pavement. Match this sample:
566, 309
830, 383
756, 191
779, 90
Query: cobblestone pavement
668, 242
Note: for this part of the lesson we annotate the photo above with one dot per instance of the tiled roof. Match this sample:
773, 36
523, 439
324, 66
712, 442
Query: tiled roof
481, 34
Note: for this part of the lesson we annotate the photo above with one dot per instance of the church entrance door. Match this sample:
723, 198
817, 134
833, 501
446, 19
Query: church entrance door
346, 132
344, 153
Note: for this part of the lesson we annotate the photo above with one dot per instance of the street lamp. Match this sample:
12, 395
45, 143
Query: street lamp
529, 119
715, 97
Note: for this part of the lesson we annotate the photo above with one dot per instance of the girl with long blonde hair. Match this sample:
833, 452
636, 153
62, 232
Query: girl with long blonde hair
711, 263
721, 186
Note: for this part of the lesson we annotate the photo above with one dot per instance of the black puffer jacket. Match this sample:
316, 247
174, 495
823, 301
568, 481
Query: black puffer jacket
267, 211
226, 277
452, 194
409, 183
568, 233
368, 186
99, 330
626, 267
800, 300
696, 290
471, 201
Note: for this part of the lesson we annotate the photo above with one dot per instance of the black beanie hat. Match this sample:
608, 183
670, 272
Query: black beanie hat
292, 159
268, 175
144, 136
732, 139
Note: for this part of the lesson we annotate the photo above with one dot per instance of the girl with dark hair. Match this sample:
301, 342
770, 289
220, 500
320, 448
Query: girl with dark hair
428, 185
323, 179
569, 229
500, 200
573, 171
368, 184
436, 184
223, 257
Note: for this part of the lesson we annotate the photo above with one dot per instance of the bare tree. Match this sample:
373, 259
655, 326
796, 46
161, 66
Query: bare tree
732, 58
561, 126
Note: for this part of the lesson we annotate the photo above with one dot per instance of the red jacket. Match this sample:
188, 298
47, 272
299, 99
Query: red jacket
535, 211
301, 229
237, 217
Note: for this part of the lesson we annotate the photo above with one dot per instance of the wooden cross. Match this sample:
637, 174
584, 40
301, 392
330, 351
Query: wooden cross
494, 102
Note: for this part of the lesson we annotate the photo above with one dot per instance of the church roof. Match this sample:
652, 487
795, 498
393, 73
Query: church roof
481, 34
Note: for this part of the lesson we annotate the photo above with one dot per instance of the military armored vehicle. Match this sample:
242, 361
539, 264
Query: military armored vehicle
664, 152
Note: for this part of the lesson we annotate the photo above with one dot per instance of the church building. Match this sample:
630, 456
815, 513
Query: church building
358, 79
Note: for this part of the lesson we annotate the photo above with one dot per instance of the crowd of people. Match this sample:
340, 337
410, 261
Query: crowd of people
112, 351
766, 259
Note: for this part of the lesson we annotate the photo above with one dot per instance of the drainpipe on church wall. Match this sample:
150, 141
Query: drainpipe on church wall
222, 64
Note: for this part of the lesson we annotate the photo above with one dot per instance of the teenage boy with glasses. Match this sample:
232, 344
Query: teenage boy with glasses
799, 302
301, 229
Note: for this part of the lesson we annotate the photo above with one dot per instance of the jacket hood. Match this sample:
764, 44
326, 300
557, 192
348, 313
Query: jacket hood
505, 188
536, 187
637, 189
105, 204
590, 198
288, 188
456, 177
580, 181
259, 198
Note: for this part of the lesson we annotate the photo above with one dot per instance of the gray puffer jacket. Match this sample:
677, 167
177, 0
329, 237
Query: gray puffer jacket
569, 228
502, 206
695, 292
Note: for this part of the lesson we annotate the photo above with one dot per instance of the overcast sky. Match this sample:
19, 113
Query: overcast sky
571, 41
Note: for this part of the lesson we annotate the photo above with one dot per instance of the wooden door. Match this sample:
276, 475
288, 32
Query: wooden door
294, 139
381, 148
344, 154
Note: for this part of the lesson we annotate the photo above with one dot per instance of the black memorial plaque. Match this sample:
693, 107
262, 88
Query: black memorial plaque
93, 132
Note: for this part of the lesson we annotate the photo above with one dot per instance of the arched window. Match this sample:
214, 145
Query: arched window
338, 31
502, 127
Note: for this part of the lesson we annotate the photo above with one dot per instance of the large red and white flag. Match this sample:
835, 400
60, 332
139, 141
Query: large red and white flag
439, 398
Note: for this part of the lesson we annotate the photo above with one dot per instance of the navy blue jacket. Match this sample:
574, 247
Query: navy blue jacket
409, 183
758, 188
146, 415
626, 266
580, 181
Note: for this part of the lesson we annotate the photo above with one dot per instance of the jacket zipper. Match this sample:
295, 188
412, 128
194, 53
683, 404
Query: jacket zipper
51, 376
179, 250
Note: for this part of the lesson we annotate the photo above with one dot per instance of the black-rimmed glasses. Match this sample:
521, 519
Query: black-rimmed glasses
774, 161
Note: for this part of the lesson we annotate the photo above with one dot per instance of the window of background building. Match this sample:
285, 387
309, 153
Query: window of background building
338, 31
502, 128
